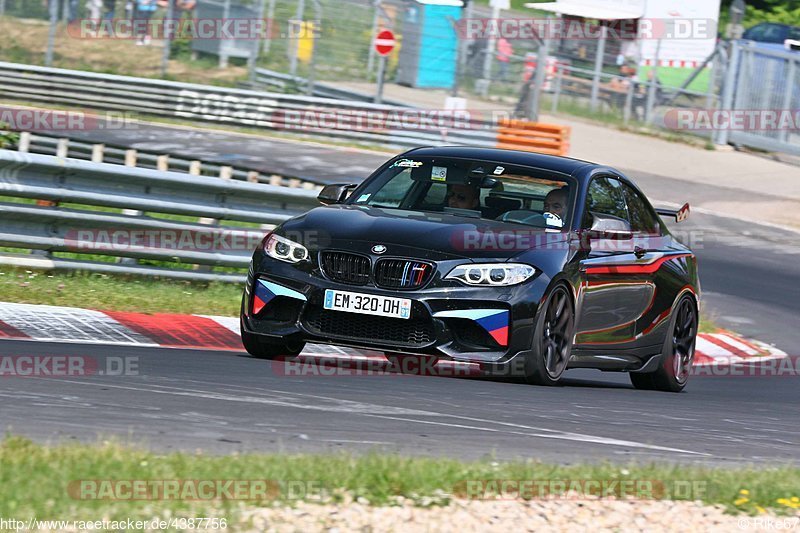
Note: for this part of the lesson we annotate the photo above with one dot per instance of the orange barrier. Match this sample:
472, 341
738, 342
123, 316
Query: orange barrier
533, 137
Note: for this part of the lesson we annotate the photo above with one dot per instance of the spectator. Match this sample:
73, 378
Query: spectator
504, 53
72, 10
95, 8
110, 7
144, 12
642, 92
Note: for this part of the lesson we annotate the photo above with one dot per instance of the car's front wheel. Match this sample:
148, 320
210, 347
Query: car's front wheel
677, 355
552, 339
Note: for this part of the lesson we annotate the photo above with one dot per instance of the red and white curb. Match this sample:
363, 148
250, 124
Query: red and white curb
165, 330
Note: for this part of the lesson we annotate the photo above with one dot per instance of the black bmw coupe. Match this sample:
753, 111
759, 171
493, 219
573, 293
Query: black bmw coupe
523, 263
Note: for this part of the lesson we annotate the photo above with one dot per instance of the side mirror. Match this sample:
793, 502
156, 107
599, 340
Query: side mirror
608, 227
335, 194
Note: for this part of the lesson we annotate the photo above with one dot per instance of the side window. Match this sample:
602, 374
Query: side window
605, 197
394, 192
642, 217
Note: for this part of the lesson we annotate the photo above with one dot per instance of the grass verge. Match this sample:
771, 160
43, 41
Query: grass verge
119, 293
46, 481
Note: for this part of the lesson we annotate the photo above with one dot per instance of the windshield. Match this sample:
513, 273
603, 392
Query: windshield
472, 188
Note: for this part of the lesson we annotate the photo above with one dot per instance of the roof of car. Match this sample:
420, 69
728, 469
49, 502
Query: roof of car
564, 165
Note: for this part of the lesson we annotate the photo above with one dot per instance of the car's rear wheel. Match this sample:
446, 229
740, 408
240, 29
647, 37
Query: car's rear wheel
677, 355
552, 339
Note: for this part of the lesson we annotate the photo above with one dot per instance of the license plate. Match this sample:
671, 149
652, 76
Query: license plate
367, 304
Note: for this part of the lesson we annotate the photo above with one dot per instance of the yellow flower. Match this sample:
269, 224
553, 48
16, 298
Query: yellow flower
795, 499
761, 509
745, 492
741, 501
784, 501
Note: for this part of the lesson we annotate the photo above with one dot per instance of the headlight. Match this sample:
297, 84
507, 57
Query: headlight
497, 274
283, 249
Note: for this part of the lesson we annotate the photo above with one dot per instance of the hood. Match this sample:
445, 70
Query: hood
426, 235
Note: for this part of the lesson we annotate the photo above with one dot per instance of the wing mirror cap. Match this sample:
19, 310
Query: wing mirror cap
335, 193
606, 227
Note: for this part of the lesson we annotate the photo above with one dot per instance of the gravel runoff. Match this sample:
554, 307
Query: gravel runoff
467, 516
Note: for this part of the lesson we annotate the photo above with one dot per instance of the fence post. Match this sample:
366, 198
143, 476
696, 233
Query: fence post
162, 163
62, 148
626, 113
651, 92
598, 67
252, 176
130, 161
538, 80
787, 95
557, 92
276, 180
97, 153
728, 90
25, 141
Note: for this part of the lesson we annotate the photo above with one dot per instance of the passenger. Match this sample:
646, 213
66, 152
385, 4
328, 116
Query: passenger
463, 197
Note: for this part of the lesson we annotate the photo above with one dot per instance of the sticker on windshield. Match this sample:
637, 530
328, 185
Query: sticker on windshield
499, 170
364, 197
439, 174
406, 163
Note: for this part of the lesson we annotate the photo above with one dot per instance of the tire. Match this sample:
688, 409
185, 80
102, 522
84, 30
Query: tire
418, 365
263, 349
677, 355
552, 339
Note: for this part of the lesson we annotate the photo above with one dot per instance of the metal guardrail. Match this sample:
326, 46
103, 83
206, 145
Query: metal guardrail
236, 107
119, 154
270, 79
96, 227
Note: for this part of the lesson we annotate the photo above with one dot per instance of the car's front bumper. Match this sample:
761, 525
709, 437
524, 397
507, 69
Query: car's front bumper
471, 324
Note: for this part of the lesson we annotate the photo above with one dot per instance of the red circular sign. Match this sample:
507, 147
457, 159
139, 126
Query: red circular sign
384, 42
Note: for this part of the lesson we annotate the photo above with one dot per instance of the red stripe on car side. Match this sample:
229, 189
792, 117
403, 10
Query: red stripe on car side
647, 268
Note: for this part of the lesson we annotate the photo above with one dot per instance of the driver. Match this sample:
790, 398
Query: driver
463, 197
556, 202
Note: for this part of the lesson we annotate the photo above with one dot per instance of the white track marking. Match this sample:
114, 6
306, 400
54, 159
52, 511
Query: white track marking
736, 343
227, 322
338, 405
556, 435
53, 323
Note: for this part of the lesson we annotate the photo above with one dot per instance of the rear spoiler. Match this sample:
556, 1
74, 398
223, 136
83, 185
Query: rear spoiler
679, 214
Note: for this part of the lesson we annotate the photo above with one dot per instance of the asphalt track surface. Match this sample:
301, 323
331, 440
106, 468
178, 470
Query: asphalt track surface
224, 402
